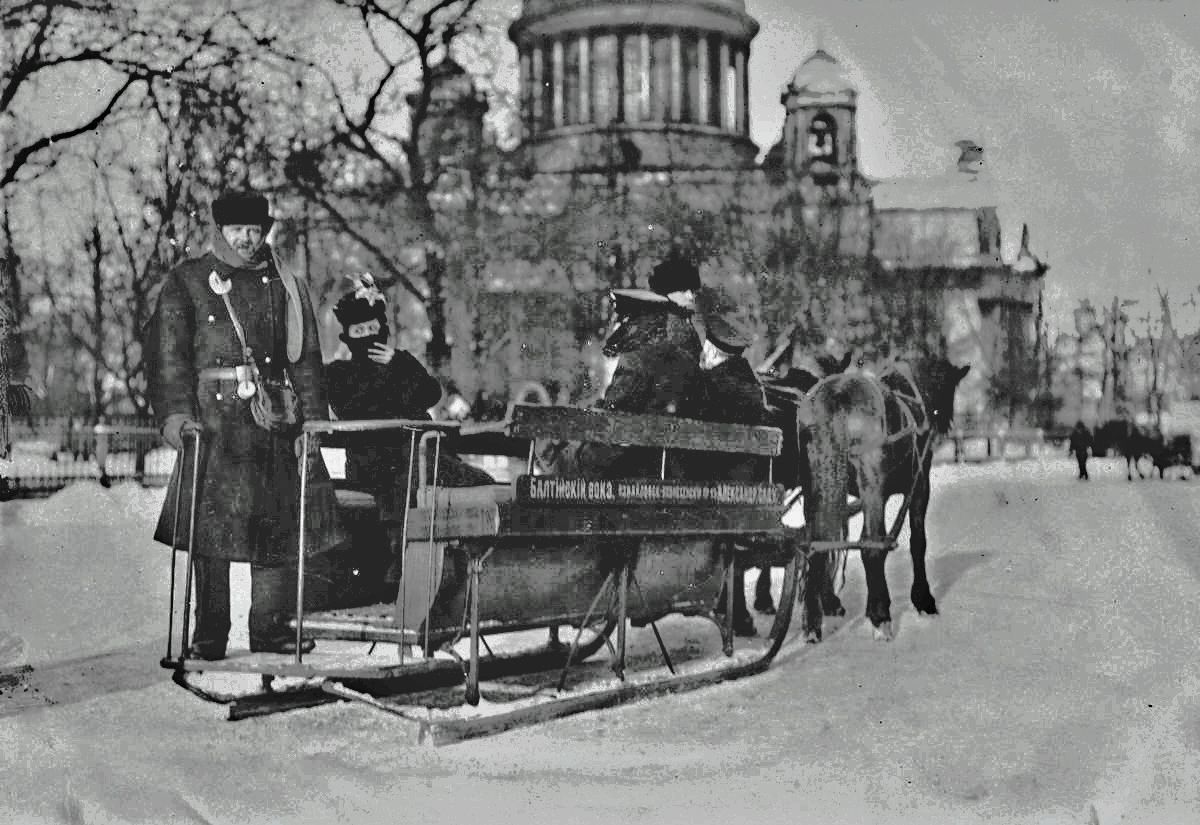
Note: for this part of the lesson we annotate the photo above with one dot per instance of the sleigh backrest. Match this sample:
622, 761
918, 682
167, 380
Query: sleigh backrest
624, 429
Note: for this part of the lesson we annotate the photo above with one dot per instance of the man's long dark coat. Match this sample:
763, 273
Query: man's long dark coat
658, 374
248, 504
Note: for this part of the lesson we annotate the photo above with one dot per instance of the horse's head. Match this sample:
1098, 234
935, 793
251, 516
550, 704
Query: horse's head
937, 381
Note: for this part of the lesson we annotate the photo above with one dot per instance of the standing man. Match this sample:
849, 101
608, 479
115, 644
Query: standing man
226, 322
1080, 444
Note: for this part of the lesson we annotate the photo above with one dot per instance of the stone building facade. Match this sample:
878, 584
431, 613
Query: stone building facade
635, 139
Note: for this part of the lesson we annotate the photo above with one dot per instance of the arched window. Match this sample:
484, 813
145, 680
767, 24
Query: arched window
822, 139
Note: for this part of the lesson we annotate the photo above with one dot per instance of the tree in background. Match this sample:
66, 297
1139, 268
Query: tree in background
372, 158
162, 70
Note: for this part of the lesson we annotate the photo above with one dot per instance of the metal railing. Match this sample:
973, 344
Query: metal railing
51, 453
1027, 440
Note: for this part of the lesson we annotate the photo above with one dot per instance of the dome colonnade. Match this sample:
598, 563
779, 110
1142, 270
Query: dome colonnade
633, 67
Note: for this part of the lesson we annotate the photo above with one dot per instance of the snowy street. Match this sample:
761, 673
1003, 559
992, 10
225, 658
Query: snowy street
1060, 684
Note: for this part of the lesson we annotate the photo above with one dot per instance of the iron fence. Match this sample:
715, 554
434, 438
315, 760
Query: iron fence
50, 453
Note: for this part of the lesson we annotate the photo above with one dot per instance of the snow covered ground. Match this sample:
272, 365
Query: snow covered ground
1060, 684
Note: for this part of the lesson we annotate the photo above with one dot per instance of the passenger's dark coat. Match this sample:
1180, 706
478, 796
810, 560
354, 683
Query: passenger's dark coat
658, 373
732, 394
248, 504
402, 389
659, 368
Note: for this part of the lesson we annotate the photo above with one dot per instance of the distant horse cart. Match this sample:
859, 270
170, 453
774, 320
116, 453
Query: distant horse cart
510, 592
1140, 444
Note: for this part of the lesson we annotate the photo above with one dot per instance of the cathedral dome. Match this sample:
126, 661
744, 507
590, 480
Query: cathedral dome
548, 18
820, 80
635, 85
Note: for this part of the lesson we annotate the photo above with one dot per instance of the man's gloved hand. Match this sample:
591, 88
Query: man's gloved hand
176, 426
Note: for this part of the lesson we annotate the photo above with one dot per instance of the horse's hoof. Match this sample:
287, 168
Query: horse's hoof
812, 637
925, 603
834, 610
883, 632
766, 608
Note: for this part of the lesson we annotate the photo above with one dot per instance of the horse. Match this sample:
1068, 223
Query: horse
1130, 440
873, 435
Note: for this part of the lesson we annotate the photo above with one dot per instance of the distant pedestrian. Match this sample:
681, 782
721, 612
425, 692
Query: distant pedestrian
1080, 446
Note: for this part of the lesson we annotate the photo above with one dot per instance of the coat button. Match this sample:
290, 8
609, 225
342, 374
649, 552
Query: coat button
212, 319
267, 359
266, 279
219, 396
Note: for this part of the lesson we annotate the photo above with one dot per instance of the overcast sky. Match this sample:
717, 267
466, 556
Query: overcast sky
1087, 110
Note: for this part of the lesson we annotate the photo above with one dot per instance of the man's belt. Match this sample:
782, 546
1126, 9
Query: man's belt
218, 374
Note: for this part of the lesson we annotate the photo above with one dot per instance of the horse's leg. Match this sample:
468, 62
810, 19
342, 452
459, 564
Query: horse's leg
1129, 468
825, 513
922, 598
763, 601
814, 576
879, 601
831, 605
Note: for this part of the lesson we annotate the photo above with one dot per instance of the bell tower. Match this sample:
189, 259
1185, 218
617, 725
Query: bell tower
819, 132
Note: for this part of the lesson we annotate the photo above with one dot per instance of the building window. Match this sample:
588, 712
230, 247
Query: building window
822, 139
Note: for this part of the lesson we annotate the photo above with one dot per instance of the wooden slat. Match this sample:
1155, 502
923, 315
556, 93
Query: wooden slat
617, 520
575, 424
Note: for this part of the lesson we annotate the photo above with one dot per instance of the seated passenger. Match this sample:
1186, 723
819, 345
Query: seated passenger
381, 382
658, 368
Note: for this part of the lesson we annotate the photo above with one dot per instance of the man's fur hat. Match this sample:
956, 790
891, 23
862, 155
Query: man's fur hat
364, 303
675, 274
242, 208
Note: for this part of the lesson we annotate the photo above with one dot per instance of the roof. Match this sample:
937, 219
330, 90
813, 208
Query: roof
953, 190
821, 80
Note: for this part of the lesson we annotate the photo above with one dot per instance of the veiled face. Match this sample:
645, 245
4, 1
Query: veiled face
363, 329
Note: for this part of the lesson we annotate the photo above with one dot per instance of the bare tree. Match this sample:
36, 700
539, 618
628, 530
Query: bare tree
124, 48
372, 169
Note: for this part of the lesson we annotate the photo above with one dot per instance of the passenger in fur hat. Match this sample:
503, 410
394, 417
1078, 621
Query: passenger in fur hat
677, 278
379, 381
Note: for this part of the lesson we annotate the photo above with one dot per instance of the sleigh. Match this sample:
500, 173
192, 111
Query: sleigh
509, 591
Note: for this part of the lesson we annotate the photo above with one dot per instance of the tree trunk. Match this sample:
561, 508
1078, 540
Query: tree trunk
437, 351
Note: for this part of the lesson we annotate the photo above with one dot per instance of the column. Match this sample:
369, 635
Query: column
559, 84
538, 64
739, 122
585, 79
644, 92
526, 94
724, 94
676, 79
705, 87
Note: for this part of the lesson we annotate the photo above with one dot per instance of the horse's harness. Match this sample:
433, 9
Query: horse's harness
915, 419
